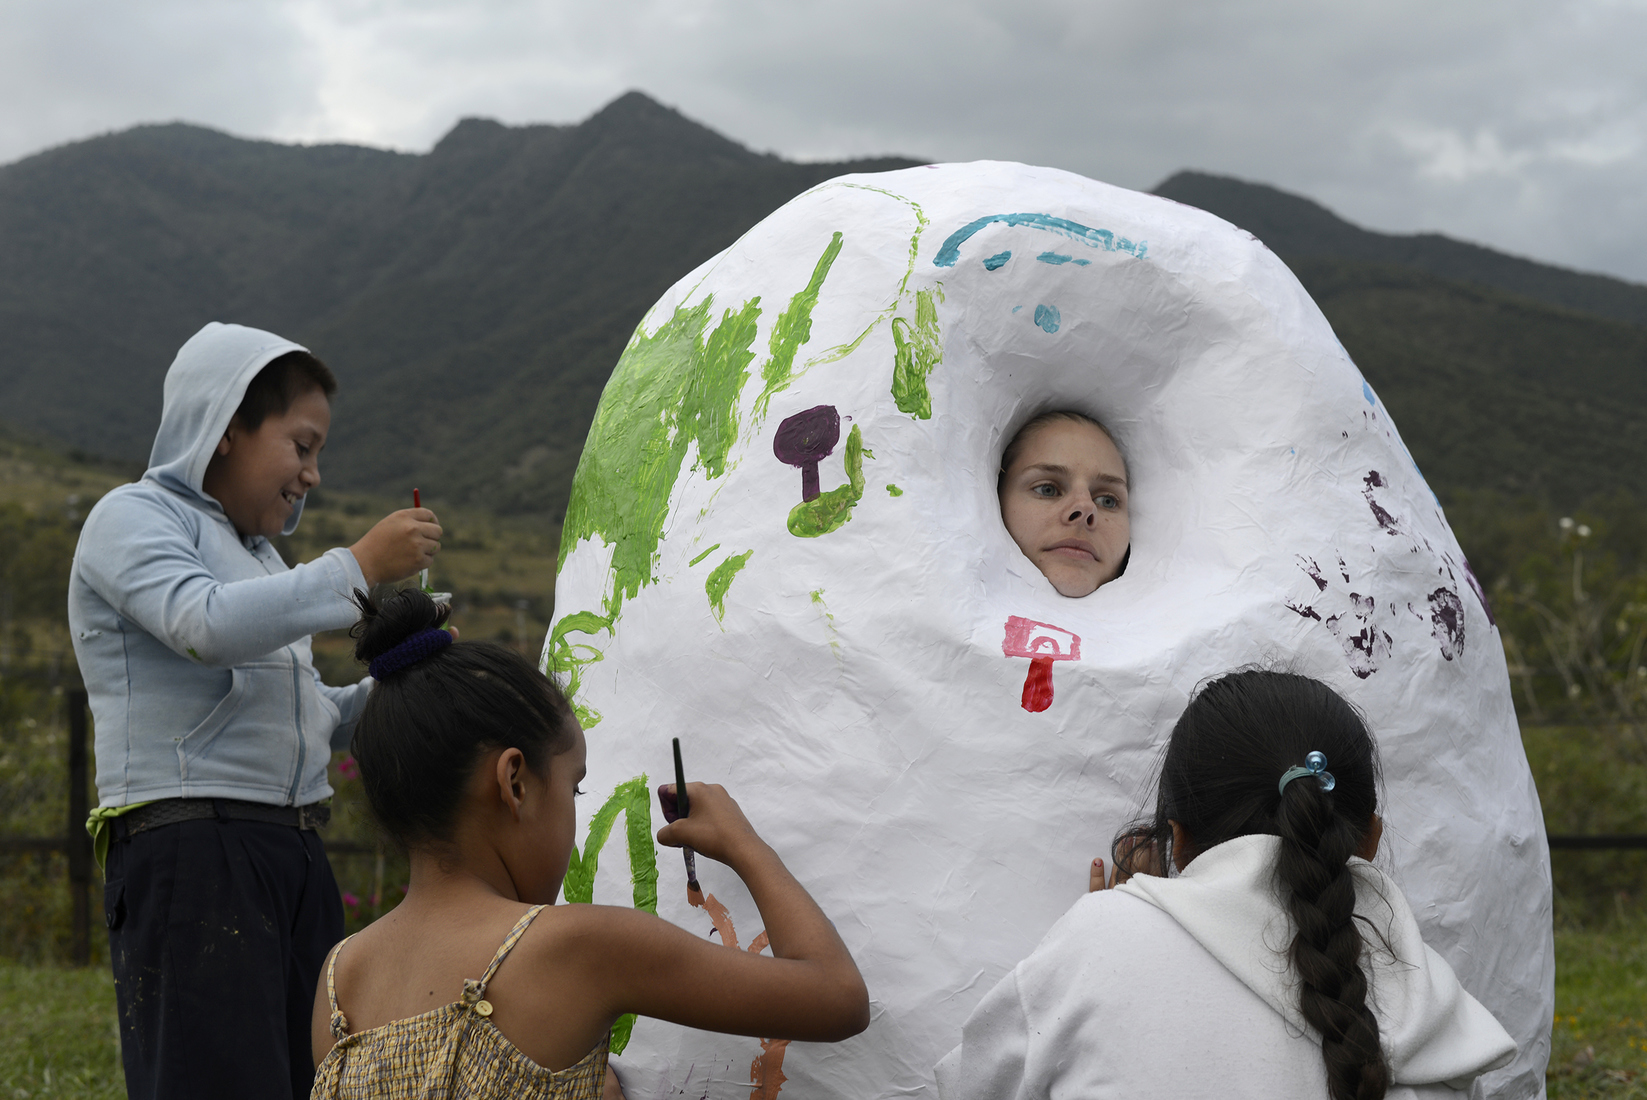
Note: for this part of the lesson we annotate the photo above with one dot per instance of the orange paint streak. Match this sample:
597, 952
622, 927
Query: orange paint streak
766, 1075
718, 914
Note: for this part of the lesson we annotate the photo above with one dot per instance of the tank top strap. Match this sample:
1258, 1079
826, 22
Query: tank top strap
340, 1023
473, 990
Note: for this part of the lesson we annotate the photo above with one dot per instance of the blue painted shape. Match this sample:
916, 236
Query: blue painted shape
1054, 258
1047, 317
1080, 263
1015, 309
997, 261
1095, 238
1367, 392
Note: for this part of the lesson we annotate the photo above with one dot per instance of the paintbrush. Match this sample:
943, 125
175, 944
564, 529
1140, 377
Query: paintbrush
423, 574
683, 806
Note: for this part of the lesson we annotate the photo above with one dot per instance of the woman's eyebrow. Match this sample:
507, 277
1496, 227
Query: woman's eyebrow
1055, 468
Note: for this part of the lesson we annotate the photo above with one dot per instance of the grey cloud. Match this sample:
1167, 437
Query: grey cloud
1515, 123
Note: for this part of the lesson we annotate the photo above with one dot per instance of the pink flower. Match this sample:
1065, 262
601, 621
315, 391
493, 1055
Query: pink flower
350, 900
348, 769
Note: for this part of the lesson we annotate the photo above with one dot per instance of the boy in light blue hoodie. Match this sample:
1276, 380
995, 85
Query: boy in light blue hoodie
213, 727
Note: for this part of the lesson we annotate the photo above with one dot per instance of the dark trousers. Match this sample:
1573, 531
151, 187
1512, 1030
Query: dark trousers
217, 932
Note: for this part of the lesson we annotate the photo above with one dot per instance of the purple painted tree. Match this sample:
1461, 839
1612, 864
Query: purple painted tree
806, 439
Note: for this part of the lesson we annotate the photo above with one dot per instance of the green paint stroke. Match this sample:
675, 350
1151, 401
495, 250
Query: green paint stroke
893, 490
566, 659
671, 389
791, 330
720, 579
634, 800
917, 348
841, 351
668, 390
703, 555
830, 510
829, 620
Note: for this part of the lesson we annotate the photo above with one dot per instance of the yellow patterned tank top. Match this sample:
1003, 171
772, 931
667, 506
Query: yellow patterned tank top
450, 1052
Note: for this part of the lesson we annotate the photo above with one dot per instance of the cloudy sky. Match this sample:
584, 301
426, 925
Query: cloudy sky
1516, 123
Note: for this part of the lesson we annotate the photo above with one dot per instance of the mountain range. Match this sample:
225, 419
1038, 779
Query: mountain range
474, 299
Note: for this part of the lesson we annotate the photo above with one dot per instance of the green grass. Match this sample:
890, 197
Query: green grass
1599, 1045
57, 1026
57, 1033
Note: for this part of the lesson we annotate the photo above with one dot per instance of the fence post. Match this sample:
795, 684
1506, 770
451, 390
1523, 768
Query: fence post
78, 844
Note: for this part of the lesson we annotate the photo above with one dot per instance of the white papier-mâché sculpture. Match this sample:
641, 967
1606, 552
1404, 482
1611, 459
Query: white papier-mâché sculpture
784, 546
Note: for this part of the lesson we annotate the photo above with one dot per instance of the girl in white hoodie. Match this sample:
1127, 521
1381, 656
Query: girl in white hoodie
1277, 963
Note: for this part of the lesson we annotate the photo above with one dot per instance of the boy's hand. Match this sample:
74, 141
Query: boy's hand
402, 543
716, 826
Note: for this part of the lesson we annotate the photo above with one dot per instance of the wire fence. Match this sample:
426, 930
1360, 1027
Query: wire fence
49, 877
66, 856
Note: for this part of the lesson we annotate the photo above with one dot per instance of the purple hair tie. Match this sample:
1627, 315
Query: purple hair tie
423, 644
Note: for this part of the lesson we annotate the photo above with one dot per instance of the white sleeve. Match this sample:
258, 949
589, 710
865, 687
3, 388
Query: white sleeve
990, 1062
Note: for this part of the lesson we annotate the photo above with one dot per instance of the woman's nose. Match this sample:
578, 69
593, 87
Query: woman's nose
1086, 512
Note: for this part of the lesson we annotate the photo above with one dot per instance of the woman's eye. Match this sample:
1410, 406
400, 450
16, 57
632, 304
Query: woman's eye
1044, 490
303, 450
1107, 501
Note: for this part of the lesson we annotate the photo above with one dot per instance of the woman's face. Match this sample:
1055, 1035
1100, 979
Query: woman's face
1064, 502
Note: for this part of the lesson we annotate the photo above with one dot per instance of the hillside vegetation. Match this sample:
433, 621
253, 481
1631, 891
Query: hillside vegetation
474, 299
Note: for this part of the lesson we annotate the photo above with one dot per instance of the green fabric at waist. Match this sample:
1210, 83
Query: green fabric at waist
100, 826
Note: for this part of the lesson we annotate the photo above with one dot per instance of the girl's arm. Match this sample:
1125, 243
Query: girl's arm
635, 962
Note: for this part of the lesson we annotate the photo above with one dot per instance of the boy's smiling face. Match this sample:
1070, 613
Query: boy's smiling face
258, 476
1064, 502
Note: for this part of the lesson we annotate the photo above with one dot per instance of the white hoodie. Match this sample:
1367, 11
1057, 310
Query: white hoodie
1180, 987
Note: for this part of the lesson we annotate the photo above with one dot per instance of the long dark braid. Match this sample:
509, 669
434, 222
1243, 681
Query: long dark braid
1228, 751
1315, 880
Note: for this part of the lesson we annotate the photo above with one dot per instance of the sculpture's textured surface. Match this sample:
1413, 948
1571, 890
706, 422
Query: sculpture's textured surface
934, 739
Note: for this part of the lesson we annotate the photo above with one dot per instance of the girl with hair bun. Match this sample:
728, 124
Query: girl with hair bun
477, 984
1246, 946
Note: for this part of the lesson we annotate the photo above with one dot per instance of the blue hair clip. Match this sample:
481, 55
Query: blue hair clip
1314, 764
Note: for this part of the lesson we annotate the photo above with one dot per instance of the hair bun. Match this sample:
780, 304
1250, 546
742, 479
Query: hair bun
385, 624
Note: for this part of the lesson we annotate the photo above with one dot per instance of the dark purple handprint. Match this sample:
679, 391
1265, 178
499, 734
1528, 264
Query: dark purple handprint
806, 439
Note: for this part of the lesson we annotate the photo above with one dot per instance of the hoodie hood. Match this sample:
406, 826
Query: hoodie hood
1431, 1029
204, 387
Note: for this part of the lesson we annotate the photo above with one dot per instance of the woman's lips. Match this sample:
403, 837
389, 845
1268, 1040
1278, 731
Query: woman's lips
1074, 548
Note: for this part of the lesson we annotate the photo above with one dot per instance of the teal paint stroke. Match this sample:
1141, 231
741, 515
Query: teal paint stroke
828, 511
1047, 317
1057, 259
720, 580
633, 799
703, 555
997, 261
1095, 238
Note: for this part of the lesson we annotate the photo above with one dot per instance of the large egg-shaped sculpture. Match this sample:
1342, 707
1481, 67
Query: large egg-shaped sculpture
784, 547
